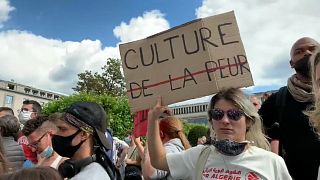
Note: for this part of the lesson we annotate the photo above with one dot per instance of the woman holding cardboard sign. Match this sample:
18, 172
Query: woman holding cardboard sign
238, 151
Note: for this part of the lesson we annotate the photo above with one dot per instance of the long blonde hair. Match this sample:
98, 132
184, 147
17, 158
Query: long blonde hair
315, 113
173, 128
240, 100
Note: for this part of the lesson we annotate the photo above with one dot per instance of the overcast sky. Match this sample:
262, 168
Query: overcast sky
45, 44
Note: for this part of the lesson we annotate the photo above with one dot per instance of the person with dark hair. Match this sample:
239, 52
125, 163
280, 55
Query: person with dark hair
9, 127
285, 111
81, 137
238, 150
39, 132
30, 109
6, 111
37, 173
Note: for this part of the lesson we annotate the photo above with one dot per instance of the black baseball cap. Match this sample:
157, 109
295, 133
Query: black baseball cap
93, 115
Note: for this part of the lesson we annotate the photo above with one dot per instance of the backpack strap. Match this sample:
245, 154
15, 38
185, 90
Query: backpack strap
107, 164
201, 162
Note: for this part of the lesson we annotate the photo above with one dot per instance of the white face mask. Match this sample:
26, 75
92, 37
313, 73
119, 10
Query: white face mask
24, 116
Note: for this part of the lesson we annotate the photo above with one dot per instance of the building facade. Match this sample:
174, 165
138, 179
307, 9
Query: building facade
13, 94
192, 113
197, 113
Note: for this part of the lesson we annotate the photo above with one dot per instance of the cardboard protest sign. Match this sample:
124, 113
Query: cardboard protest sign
140, 123
192, 60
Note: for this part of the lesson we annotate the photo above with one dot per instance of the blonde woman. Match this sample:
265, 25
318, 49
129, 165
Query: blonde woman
239, 149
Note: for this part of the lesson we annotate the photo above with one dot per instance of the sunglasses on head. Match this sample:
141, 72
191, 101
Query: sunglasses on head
233, 114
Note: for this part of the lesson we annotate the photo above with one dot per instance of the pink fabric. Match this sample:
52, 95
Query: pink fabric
140, 122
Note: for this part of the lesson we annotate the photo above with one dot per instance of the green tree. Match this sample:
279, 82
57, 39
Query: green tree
110, 81
119, 116
196, 132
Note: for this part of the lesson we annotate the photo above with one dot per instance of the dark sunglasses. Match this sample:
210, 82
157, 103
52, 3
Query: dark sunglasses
233, 114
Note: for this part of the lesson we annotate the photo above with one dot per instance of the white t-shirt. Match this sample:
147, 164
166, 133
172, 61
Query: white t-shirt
118, 146
93, 171
172, 146
254, 163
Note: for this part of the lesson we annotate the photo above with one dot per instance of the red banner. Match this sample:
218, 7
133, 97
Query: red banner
140, 122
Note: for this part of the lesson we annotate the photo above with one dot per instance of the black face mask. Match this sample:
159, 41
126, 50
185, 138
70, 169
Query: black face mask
228, 147
302, 66
62, 145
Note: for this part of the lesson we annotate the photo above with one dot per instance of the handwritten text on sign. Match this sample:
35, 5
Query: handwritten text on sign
192, 60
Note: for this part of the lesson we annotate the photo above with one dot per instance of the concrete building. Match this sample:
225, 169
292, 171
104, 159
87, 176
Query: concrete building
13, 94
192, 113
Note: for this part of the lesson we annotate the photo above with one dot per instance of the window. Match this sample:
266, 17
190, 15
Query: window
42, 94
203, 108
10, 86
8, 101
35, 92
56, 97
49, 95
27, 90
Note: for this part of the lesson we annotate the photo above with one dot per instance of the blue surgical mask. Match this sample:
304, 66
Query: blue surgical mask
47, 152
127, 140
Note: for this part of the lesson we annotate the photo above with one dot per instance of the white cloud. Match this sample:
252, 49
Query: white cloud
5, 9
141, 27
54, 64
48, 63
268, 29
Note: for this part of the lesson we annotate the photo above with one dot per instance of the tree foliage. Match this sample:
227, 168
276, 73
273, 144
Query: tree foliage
110, 81
195, 132
120, 119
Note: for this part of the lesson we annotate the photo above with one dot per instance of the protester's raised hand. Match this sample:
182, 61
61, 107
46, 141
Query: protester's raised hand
159, 111
137, 140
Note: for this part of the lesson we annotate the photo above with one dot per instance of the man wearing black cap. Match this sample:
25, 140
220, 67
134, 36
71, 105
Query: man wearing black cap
79, 134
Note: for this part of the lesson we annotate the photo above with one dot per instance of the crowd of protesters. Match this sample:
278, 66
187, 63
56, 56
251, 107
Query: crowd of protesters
275, 137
